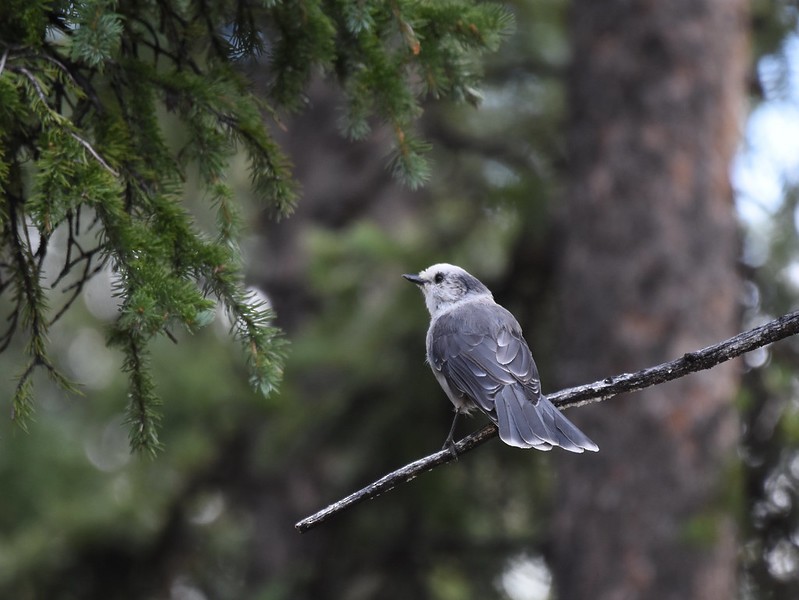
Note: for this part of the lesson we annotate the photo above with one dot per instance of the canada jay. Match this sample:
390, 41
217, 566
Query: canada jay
478, 355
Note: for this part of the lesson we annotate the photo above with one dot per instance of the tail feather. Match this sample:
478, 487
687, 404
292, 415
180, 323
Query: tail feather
529, 422
566, 427
527, 425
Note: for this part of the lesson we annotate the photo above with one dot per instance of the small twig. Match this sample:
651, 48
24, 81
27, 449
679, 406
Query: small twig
36, 86
8, 334
94, 153
3, 61
77, 286
64, 69
691, 362
40, 92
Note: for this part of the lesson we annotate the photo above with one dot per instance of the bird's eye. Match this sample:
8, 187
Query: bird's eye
438, 278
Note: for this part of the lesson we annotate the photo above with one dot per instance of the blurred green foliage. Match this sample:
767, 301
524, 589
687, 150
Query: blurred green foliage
212, 516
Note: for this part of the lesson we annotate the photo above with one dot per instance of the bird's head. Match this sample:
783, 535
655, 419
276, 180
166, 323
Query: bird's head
443, 285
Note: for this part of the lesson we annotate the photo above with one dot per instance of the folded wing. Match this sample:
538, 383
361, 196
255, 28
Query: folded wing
480, 351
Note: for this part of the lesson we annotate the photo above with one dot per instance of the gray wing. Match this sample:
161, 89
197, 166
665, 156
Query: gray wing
480, 351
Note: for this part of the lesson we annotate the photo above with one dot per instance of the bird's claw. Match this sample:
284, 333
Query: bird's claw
450, 445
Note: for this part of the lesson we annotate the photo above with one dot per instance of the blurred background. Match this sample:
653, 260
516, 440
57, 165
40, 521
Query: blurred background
627, 189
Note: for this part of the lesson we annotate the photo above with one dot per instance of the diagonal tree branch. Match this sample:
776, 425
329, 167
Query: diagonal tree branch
691, 362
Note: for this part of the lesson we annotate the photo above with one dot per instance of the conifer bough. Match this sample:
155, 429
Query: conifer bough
85, 164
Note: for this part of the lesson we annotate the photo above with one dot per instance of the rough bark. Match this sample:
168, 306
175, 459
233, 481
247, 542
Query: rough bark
648, 272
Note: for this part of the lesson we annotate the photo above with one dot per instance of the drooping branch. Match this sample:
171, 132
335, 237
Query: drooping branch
691, 362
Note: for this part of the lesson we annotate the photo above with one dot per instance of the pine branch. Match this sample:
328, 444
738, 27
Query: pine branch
83, 109
59, 119
691, 362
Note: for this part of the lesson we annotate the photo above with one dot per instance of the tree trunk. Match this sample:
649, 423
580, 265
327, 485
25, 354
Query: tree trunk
649, 272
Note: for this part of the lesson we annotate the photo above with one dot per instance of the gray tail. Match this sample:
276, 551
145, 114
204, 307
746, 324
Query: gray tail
527, 423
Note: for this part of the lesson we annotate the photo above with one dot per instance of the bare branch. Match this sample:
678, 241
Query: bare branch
691, 362
93, 152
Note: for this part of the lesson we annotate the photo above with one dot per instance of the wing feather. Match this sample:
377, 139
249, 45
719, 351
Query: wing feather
479, 350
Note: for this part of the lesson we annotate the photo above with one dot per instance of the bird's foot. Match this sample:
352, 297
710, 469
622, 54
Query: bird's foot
450, 445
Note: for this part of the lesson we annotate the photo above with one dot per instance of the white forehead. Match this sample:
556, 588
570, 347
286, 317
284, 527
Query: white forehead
444, 268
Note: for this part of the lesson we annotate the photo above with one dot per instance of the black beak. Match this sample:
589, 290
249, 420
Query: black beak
414, 279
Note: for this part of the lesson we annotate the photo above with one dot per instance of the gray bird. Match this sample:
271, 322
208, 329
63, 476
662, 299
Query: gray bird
479, 357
